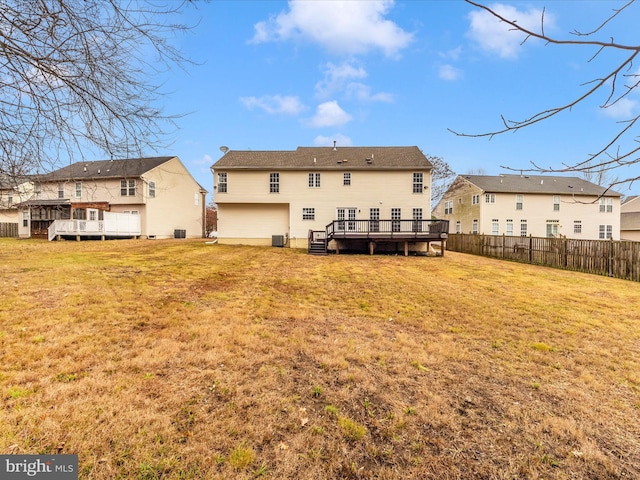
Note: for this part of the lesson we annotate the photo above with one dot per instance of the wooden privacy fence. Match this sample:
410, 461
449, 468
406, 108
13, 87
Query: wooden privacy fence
620, 259
8, 229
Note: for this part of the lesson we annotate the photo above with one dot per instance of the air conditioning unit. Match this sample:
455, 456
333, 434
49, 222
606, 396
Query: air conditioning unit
277, 240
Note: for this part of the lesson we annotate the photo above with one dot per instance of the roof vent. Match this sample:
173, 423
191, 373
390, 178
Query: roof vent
369, 161
98, 171
334, 146
314, 159
542, 181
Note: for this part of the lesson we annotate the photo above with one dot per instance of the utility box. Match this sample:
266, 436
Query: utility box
179, 234
277, 240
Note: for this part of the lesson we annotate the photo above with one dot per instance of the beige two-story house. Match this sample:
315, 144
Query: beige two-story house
630, 219
267, 195
165, 198
13, 191
536, 205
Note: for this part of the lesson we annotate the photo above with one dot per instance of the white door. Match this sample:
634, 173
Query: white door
92, 224
347, 214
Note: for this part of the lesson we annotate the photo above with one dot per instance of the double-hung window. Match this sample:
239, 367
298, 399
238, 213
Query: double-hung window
606, 205
448, 207
152, 189
556, 203
274, 182
314, 180
222, 182
495, 227
605, 232
490, 198
418, 182
475, 199
128, 188
519, 201
474, 226
523, 228
61, 190
509, 227
78, 189
346, 178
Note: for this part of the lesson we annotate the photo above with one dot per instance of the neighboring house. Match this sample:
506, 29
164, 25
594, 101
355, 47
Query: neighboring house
537, 205
166, 200
630, 219
265, 197
13, 191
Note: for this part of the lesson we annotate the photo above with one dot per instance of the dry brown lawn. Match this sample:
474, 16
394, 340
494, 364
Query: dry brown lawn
176, 359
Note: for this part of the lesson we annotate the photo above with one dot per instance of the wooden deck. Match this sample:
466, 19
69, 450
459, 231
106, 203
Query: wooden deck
375, 232
114, 225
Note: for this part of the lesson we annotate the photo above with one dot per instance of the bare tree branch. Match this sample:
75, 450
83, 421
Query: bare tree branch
78, 73
612, 155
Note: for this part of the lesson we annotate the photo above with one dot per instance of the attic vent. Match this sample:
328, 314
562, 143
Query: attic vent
369, 161
345, 160
339, 162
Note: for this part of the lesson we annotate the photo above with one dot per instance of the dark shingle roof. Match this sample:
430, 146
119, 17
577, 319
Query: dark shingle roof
326, 158
129, 168
8, 182
543, 184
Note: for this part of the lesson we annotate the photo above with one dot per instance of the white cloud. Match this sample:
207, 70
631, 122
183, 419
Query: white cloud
449, 72
624, 108
341, 141
338, 78
329, 114
275, 104
495, 36
363, 93
343, 27
453, 54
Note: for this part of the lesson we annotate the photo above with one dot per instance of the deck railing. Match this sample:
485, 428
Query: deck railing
435, 228
113, 225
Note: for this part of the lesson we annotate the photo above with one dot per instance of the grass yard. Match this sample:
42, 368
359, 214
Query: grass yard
177, 360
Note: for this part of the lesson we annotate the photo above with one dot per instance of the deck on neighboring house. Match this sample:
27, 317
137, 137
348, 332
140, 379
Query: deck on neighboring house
349, 233
114, 225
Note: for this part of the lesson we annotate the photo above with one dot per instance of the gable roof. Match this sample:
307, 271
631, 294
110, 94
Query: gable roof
9, 182
326, 158
543, 184
129, 168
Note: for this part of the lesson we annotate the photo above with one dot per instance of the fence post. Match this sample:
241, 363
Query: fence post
530, 248
610, 257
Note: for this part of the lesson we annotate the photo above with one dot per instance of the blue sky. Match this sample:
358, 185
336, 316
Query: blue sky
277, 75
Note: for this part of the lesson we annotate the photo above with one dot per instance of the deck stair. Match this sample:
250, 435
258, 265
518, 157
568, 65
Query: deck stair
317, 242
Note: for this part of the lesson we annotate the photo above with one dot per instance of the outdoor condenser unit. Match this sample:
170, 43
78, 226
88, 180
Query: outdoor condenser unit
277, 240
